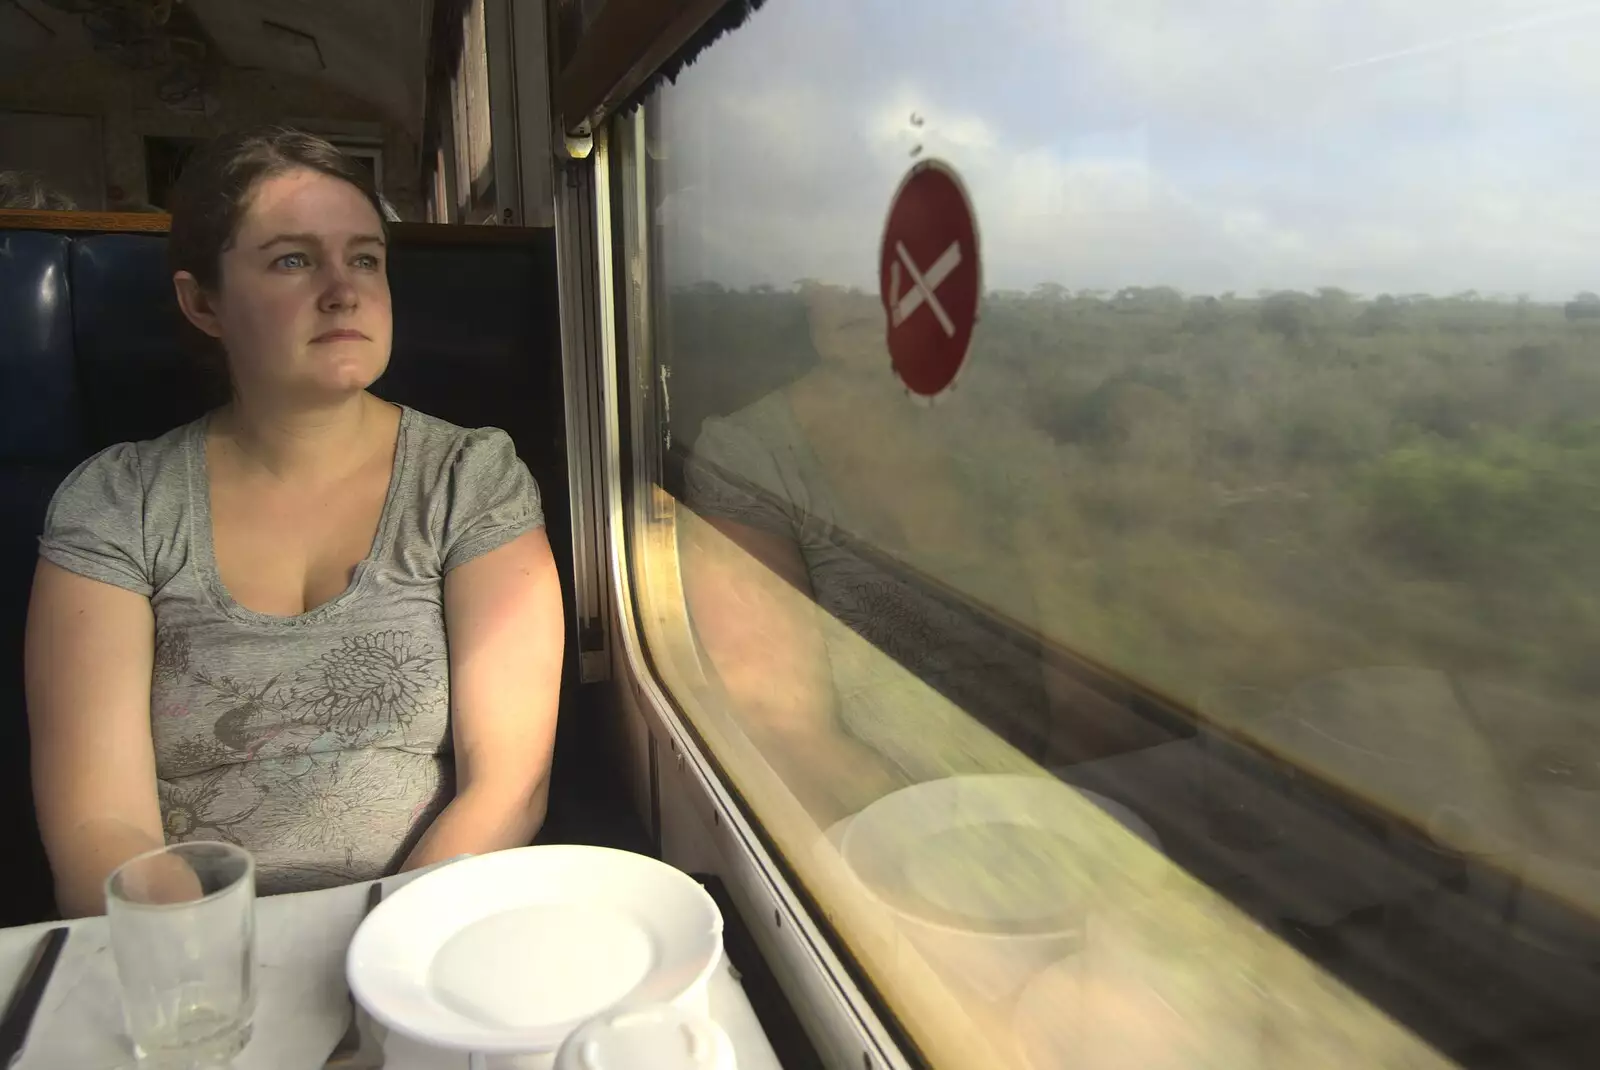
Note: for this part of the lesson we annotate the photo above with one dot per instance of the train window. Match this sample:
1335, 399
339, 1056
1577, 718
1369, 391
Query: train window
1205, 676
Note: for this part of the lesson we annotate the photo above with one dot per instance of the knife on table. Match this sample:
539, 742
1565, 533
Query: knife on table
359, 1048
18, 1018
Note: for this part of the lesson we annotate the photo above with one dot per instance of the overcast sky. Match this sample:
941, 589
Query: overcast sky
1212, 145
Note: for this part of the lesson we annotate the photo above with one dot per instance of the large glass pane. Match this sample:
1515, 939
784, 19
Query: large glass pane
1206, 678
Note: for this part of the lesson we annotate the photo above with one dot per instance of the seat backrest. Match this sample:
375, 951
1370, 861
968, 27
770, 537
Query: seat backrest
39, 418
135, 380
475, 340
41, 438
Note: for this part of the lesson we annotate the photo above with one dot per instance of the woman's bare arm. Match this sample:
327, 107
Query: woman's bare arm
749, 596
88, 656
506, 633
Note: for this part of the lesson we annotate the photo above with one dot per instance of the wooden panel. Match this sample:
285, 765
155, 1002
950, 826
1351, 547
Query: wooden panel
154, 223
105, 222
627, 42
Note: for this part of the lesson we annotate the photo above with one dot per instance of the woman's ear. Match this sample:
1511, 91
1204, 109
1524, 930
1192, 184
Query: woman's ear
196, 304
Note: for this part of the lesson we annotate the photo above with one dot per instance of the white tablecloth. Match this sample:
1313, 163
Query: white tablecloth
301, 1009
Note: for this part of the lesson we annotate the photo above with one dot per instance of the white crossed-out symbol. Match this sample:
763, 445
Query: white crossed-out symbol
924, 286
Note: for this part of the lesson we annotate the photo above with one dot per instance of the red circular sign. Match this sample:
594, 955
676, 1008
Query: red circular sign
929, 275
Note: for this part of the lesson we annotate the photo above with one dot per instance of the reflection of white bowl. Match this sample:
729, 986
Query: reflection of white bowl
950, 859
1073, 1016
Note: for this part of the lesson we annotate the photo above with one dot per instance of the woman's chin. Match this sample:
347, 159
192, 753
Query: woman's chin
346, 375
321, 389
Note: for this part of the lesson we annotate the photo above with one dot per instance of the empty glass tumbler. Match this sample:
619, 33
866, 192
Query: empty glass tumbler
183, 934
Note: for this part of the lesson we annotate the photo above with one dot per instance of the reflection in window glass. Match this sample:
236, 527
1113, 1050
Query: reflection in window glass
439, 196
473, 151
1262, 516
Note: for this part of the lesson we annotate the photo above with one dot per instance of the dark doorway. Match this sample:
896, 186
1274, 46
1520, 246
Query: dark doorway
164, 158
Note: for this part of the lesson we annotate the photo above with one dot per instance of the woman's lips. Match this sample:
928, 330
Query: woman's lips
343, 335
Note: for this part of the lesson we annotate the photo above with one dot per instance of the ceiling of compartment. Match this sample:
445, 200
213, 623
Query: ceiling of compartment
374, 50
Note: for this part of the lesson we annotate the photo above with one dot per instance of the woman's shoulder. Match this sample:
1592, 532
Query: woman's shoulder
440, 444
478, 493
100, 516
141, 464
767, 421
759, 443
462, 464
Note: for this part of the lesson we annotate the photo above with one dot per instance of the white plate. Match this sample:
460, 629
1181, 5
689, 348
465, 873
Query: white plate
507, 953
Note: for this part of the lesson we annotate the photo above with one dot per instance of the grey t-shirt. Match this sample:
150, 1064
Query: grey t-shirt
320, 742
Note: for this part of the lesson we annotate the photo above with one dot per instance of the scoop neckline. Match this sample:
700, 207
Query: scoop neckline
201, 534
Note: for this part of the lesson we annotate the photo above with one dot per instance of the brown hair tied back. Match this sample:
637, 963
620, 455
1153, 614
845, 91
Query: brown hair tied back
214, 190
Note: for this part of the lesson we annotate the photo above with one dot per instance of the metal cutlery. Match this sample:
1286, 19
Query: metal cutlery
359, 1049
18, 1018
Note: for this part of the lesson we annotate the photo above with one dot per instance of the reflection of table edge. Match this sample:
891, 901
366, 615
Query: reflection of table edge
1283, 739
1569, 883
1162, 784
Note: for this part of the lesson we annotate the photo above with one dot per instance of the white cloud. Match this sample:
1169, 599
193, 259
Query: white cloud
1206, 145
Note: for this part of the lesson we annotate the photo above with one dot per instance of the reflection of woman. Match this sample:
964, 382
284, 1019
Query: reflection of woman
23, 190
831, 484
239, 630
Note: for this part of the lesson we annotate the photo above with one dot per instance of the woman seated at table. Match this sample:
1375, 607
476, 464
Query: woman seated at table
312, 623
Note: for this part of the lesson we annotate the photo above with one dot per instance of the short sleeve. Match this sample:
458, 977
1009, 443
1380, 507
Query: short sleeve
95, 524
493, 497
732, 475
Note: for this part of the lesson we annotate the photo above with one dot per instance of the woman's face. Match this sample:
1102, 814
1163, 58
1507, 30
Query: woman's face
302, 306
847, 328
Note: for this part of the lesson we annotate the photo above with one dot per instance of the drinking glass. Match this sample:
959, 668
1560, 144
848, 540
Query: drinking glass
183, 934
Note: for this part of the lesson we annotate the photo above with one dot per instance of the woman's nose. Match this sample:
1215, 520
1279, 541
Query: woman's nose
338, 292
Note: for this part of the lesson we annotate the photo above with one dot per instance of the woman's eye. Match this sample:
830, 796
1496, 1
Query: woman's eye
292, 261
367, 262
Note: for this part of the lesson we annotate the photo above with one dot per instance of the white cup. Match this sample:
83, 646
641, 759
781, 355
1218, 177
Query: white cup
658, 1037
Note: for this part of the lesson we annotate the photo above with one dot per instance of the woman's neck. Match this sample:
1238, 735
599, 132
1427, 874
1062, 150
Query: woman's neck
299, 443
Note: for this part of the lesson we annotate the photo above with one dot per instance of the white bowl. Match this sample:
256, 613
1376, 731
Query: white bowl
507, 953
